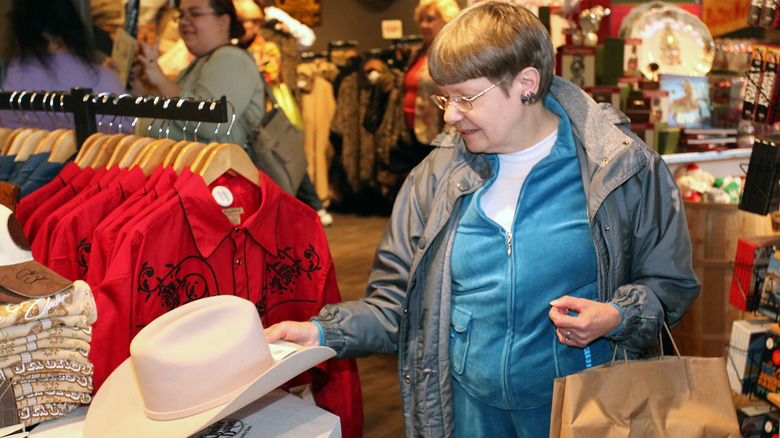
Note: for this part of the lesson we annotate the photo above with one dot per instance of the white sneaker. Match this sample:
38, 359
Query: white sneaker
325, 217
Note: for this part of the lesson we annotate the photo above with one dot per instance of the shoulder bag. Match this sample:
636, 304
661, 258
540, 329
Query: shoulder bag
277, 146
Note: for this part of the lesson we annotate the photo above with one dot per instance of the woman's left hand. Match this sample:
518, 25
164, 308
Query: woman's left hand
581, 321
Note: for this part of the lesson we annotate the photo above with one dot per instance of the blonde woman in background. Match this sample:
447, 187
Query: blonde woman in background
422, 117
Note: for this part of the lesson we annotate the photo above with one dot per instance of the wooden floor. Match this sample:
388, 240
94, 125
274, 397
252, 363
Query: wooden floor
352, 240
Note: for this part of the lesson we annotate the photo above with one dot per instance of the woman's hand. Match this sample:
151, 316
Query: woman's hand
147, 58
582, 321
152, 74
301, 333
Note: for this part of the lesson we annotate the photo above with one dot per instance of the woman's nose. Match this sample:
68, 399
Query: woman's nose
452, 115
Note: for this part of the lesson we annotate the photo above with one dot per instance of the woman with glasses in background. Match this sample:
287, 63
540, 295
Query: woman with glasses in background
218, 69
536, 237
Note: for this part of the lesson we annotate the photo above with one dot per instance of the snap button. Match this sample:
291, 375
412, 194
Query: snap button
463, 186
407, 378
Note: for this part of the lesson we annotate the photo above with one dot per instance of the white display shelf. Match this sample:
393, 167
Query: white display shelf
732, 162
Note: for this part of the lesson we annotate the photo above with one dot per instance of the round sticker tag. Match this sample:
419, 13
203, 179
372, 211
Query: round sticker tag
222, 195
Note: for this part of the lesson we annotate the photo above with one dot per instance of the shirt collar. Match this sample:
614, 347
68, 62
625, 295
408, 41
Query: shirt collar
210, 226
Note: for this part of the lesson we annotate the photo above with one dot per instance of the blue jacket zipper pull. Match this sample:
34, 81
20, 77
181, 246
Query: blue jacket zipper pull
508, 243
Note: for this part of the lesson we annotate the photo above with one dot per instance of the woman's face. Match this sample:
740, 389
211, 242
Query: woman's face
493, 125
430, 24
201, 29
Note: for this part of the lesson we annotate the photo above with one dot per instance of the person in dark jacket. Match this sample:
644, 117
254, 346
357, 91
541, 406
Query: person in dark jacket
539, 235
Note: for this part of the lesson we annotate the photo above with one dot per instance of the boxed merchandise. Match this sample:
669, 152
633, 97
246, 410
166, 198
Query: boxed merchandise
754, 13
771, 425
769, 367
577, 64
753, 83
767, 95
751, 420
762, 192
750, 266
605, 94
744, 353
770, 18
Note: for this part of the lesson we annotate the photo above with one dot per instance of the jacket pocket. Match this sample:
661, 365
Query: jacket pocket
459, 339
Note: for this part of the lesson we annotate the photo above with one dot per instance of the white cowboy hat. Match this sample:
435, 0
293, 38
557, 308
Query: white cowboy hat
193, 366
21, 277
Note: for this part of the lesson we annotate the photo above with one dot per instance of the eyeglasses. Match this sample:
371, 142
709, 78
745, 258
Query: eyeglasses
191, 15
462, 103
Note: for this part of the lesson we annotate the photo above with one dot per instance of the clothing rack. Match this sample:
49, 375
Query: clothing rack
84, 105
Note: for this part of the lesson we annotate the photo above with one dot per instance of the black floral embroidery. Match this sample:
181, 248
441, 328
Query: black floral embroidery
181, 284
285, 272
83, 249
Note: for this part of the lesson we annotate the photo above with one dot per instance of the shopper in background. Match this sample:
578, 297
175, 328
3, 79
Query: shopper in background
423, 119
54, 52
538, 236
218, 69
269, 61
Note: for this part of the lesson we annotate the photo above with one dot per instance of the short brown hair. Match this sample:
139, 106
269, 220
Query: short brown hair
492, 39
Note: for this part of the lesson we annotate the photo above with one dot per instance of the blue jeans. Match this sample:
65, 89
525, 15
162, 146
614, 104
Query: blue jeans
474, 419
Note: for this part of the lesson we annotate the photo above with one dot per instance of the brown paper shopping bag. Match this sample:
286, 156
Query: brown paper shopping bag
670, 397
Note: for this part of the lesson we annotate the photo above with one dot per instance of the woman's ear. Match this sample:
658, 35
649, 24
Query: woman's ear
529, 79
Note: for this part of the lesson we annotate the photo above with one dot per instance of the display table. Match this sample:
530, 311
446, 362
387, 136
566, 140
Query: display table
278, 414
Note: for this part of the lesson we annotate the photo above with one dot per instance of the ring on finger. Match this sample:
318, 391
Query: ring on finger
566, 339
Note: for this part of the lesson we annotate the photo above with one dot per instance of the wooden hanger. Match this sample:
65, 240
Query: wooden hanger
156, 154
20, 139
89, 149
10, 140
106, 150
187, 156
229, 157
47, 143
5, 133
64, 147
174, 152
29, 144
135, 149
203, 156
121, 149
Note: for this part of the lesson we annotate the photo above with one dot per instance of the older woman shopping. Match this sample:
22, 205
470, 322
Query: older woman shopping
539, 234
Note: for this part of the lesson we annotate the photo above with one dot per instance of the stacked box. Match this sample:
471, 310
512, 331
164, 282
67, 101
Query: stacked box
744, 354
750, 265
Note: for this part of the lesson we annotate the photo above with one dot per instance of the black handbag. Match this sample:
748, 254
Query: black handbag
277, 147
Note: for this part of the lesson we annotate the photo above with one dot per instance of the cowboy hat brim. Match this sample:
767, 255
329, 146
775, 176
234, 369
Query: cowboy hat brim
118, 409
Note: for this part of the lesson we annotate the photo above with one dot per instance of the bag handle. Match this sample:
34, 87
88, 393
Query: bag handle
270, 96
660, 341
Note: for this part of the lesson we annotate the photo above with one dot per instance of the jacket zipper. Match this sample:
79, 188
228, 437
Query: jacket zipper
508, 243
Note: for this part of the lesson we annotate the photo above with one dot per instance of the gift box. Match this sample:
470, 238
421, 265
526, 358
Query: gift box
750, 267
